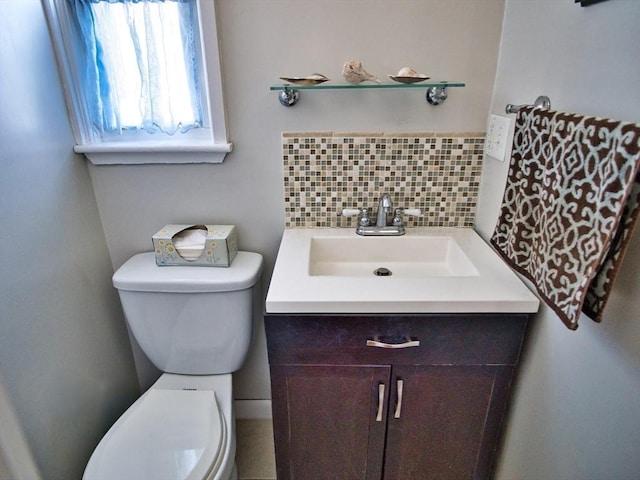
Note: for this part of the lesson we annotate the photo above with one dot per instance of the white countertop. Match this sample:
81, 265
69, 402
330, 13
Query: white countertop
496, 288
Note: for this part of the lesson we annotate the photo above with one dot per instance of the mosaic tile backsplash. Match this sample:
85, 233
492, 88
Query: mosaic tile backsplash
325, 172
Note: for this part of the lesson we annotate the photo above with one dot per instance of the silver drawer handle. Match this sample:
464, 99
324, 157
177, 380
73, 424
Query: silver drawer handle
407, 344
399, 404
380, 402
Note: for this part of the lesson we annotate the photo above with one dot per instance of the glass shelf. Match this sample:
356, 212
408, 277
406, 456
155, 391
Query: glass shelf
343, 86
436, 90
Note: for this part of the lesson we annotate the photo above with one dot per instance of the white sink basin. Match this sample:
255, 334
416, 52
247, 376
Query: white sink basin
432, 270
406, 256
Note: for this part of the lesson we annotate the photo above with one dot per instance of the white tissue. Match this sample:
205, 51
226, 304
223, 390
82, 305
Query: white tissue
190, 238
190, 243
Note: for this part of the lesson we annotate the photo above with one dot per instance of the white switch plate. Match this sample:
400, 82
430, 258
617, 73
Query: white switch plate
495, 143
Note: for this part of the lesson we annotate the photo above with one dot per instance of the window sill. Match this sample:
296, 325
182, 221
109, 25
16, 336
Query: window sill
138, 154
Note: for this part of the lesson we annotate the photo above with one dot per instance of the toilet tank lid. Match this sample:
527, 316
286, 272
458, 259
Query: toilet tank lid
141, 274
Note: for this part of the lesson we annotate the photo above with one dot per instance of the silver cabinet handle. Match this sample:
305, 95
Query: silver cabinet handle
406, 344
380, 402
396, 414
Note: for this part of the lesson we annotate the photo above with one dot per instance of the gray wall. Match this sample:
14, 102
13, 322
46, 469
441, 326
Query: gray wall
576, 410
66, 368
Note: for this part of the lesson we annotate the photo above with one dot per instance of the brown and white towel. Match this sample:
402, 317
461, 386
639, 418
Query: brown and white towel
571, 202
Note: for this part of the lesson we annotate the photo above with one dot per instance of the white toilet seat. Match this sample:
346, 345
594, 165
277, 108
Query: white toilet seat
165, 435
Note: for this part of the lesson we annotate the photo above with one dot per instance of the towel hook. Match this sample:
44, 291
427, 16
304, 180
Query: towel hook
542, 102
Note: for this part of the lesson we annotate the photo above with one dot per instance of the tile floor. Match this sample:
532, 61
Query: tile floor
254, 451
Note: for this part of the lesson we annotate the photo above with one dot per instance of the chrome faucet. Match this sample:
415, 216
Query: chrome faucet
385, 208
388, 221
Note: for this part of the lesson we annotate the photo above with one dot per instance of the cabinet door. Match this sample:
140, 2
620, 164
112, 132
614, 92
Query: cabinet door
445, 424
329, 421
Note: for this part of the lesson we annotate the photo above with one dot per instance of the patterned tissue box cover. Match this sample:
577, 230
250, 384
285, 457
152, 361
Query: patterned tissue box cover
220, 248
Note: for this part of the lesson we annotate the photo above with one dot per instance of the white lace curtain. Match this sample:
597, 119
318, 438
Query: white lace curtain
138, 65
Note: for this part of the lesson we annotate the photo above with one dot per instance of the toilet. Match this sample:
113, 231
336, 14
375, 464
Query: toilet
196, 324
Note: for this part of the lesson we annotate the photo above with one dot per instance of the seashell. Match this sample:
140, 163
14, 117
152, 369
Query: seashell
407, 72
314, 79
317, 76
408, 75
354, 73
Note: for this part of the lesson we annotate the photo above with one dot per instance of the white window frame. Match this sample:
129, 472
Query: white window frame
209, 145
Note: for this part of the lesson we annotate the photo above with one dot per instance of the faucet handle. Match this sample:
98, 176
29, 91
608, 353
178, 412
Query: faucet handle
397, 216
415, 212
350, 212
364, 218
363, 212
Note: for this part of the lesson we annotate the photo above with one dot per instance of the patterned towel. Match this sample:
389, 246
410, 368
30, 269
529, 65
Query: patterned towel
570, 205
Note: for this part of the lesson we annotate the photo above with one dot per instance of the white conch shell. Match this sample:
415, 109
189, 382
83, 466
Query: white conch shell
354, 73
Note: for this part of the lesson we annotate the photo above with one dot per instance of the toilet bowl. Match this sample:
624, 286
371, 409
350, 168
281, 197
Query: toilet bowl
196, 324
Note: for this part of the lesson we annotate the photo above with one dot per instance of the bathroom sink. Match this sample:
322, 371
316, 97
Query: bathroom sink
427, 270
406, 256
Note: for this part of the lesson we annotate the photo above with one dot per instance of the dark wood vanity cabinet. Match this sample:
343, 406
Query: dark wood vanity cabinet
347, 406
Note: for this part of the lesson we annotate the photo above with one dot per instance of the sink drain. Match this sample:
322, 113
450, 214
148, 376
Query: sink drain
382, 272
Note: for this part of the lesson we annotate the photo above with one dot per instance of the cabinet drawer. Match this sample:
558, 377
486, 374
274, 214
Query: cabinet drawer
472, 339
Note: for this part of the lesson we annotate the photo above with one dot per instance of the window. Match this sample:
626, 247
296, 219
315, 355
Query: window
142, 79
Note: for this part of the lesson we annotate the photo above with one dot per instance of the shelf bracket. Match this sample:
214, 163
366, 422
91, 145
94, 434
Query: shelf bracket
436, 95
288, 96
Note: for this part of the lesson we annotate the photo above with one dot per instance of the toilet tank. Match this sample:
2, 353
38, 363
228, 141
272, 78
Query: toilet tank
188, 319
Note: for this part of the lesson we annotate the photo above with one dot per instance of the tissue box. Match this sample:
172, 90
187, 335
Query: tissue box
220, 246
